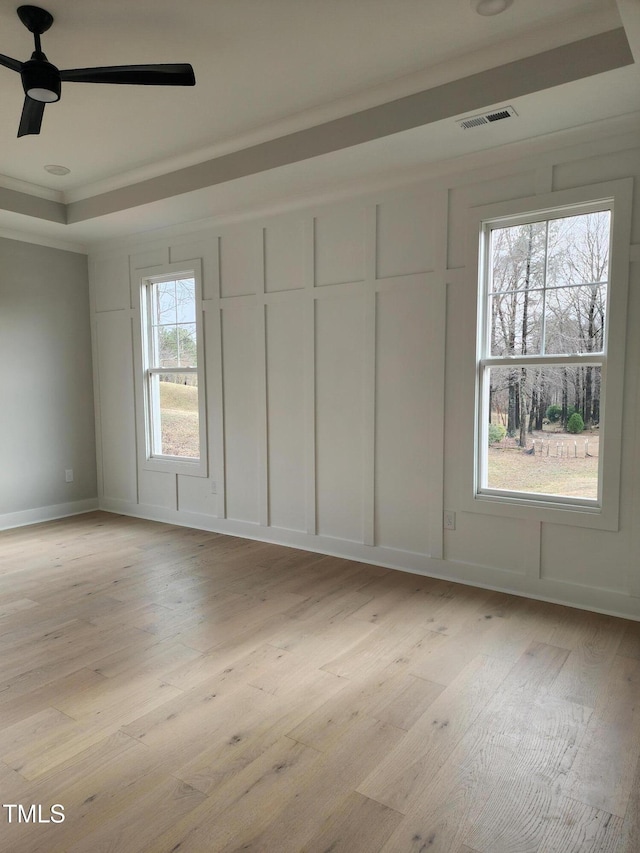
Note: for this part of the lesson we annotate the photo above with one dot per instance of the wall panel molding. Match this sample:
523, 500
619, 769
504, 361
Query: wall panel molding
369, 378
330, 409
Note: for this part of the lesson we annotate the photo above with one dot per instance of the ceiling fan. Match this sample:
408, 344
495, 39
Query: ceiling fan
42, 81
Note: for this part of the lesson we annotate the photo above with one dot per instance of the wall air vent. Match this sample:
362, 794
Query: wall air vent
487, 118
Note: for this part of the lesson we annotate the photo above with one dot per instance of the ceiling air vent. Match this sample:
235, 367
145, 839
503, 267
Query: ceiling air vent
487, 118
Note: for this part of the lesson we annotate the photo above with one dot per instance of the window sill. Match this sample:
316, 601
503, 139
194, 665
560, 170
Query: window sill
167, 465
544, 510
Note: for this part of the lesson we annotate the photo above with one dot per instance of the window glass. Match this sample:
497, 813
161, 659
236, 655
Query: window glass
545, 297
173, 403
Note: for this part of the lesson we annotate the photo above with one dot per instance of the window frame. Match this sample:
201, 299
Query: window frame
602, 512
151, 460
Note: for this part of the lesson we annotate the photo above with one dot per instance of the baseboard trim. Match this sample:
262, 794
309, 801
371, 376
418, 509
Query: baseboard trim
46, 513
606, 601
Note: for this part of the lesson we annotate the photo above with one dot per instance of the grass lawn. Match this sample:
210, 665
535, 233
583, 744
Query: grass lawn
511, 468
179, 420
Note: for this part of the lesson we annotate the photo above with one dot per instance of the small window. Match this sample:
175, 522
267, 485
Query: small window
545, 296
174, 410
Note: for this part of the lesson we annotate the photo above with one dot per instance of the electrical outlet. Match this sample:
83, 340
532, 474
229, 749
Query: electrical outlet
449, 520
68, 475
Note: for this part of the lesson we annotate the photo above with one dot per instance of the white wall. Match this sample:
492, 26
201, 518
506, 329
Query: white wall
340, 346
46, 390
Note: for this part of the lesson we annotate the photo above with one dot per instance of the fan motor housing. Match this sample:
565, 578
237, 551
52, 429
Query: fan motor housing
41, 81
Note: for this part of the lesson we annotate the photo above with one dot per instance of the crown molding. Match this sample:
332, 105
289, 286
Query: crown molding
575, 61
604, 136
28, 188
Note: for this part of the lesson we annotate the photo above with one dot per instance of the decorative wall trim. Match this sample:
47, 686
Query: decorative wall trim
385, 255
369, 378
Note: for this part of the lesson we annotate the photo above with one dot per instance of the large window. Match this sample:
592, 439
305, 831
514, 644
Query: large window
542, 365
172, 354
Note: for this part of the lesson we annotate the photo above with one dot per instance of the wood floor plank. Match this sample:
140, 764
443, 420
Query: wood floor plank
446, 804
21, 736
357, 824
381, 646
158, 658
385, 595
209, 633
589, 661
603, 773
536, 734
524, 622
358, 697
630, 642
226, 654
19, 707
488, 630
15, 606
168, 801
245, 804
631, 827
180, 690
509, 710
578, 828
320, 641
408, 700
57, 745
93, 786
335, 604
254, 732
200, 707
515, 817
329, 782
119, 699
51, 666
425, 748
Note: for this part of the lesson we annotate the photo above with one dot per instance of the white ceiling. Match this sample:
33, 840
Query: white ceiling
265, 69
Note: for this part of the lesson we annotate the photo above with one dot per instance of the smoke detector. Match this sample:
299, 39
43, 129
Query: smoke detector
491, 7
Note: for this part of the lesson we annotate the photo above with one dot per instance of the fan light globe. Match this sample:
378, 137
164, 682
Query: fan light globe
46, 96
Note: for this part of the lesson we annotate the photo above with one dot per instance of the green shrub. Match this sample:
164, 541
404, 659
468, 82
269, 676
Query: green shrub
575, 423
554, 413
496, 433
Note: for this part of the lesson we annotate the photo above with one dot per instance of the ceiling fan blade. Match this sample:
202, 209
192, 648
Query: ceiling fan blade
176, 74
31, 118
8, 62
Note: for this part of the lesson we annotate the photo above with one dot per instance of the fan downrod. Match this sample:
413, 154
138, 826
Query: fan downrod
35, 19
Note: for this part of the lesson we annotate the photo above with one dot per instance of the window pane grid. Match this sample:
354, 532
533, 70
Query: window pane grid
171, 370
604, 283
542, 357
592, 358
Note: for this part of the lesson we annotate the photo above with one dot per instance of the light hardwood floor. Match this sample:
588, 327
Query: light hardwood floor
177, 690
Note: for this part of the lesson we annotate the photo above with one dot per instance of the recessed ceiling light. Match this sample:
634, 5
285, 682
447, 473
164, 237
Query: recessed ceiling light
492, 7
57, 170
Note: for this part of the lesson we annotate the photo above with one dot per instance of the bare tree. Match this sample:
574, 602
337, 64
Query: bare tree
548, 296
